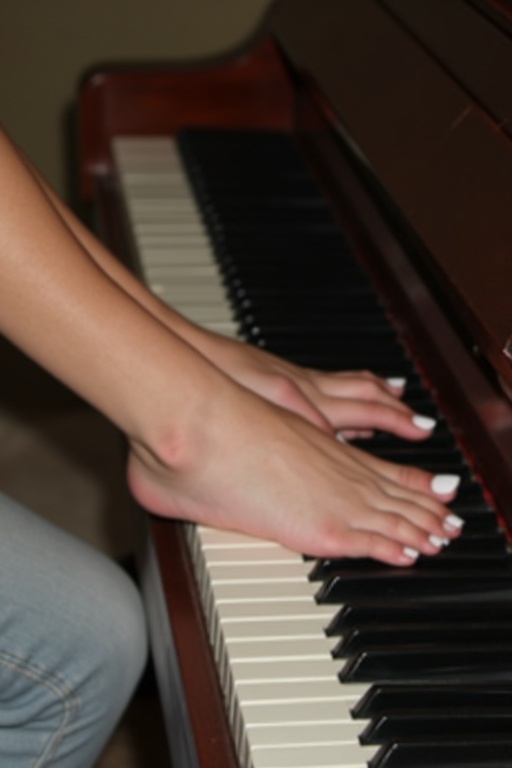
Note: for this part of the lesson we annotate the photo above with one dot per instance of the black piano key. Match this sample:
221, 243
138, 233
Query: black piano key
495, 752
231, 247
242, 221
264, 152
476, 521
355, 347
383, 365
252, 265
439, 441
430, 452
307, 330
334, 314
487, 549
374, 613
489, 662
449, 559
435, 586
463, 634
344, 340
449, 726
251, 289
492, 544
297, 201
293, 323
438, 698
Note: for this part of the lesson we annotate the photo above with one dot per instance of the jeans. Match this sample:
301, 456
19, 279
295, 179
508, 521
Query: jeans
72, 644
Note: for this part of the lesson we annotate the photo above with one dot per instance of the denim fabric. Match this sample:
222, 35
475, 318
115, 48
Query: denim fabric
72, 644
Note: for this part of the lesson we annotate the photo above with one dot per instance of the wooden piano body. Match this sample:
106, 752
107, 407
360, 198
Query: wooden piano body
402, 109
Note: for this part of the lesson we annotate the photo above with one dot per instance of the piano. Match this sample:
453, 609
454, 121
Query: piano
339, 191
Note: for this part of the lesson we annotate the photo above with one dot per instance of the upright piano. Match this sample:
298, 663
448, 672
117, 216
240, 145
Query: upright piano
338, 191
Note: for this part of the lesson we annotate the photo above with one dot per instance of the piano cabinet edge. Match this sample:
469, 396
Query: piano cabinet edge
202, 703
251, 88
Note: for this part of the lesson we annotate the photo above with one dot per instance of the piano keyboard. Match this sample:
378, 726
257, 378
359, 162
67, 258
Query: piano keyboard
322, 663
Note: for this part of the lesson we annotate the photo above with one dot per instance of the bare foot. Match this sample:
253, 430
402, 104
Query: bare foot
259, 469
353, 403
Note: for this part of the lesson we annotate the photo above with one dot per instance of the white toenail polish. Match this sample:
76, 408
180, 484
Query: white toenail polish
453, 523
445, 483
397, 382
410, 552
423, 422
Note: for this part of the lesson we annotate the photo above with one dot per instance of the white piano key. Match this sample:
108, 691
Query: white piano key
269, 554
224, 327
270, 671
258, 572
190, 282
265, 592
179, 295
277, 629
179, 255
297, 712
172, 230
293, 734
211, 537
267, 610
274, 649
338, 755
156, 239
199, 314
178, 271
288, 691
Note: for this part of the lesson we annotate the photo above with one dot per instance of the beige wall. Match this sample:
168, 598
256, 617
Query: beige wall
45, 46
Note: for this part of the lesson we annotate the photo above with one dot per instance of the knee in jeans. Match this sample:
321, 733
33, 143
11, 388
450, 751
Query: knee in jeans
118, 639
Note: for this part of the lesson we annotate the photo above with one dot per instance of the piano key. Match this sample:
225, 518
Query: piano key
272, 714
310, 627
434, 586
260, 650
481, 551
424, 635
463, 753
317, 756
178, 255
283, 670
289, 691
450, 726
257, 572
266, 610
374, 613
491, 662
440, 698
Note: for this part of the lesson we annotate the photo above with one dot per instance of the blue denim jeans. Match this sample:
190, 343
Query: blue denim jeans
72, 644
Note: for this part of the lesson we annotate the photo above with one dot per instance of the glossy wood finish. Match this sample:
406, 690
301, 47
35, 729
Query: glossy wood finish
423, 133
477, 54
250, 90
468, 394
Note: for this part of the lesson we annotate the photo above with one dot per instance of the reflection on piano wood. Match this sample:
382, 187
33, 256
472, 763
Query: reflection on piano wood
424, 655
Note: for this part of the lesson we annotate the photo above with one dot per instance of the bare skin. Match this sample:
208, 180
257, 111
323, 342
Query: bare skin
220, 433
354, 402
